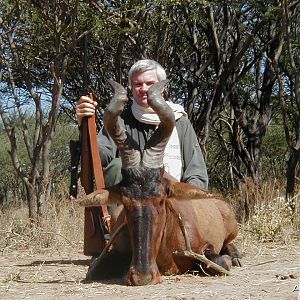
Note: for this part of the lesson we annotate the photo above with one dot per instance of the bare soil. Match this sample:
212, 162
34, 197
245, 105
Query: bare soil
270, 271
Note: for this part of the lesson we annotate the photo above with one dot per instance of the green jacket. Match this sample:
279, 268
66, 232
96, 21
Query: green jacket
194, 168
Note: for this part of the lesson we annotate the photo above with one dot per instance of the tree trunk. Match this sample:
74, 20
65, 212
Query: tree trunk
292, 165
30, 194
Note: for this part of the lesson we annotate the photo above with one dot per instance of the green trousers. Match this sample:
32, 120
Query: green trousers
112, 175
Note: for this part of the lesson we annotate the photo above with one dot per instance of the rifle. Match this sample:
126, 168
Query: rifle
97, 219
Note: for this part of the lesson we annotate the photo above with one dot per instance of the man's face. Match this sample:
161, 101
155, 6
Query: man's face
140, 84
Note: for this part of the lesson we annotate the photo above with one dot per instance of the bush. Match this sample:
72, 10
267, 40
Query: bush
264, 213
273, 221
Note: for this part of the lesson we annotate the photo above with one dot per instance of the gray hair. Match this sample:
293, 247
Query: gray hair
146, 65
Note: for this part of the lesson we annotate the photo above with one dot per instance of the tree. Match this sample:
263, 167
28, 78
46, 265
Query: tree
223, 58
8, 182
36, 40
220, 59
288, 74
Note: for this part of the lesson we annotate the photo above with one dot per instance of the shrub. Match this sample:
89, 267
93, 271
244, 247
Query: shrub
273, 221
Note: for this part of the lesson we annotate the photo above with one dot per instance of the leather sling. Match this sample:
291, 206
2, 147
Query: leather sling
97, 166
97, 219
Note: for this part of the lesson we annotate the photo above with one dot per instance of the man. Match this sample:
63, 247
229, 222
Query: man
183, 158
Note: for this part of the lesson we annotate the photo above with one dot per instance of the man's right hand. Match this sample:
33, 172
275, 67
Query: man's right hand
85, 107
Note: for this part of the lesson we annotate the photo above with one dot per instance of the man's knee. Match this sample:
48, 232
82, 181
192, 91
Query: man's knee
112, 173
112, 176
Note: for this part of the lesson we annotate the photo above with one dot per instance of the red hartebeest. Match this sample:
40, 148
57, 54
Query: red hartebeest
163, 217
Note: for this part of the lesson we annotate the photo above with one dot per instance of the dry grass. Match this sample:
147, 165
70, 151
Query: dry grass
264, 213
268, 218
62, 226
46, 262
274, 221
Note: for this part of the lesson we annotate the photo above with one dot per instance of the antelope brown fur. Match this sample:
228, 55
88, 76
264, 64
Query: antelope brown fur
151, 205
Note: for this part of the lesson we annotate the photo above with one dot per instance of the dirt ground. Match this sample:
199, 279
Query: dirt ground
271, 271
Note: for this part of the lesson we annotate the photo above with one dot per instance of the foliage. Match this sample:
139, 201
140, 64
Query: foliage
60, 152
220, 59
267, 226
274, 152
34, 73
219, 158
233, 66
8, 181
10, 185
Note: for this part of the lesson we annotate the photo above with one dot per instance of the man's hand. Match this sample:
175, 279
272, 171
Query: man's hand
85, 107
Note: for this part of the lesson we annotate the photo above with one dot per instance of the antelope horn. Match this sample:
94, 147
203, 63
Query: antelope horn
154, 152
128, 148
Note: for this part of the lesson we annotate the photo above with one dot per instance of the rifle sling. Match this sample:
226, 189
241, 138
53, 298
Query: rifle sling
97, 166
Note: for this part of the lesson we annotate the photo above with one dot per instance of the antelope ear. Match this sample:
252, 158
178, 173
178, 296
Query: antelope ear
107, 196
186, 191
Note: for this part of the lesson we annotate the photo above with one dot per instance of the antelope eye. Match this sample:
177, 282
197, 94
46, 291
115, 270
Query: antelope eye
160, 202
